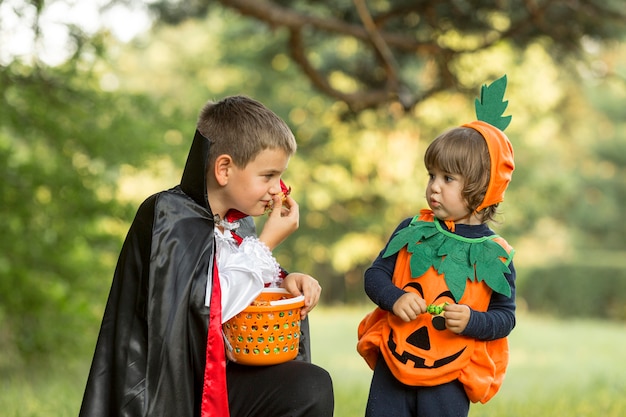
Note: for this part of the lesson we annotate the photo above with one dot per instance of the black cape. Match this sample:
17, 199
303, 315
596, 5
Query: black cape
150, 354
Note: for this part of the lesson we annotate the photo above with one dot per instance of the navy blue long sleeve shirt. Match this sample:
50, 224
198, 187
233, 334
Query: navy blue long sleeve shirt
497, 322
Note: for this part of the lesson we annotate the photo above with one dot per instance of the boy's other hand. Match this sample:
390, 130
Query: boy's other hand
302, 284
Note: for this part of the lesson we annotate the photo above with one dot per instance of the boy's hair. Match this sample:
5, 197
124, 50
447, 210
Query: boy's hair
463, 151
243, 127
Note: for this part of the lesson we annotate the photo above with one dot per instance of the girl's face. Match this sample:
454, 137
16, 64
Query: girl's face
251, 188
445, 198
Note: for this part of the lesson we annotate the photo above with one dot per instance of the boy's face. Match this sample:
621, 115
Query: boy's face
444, 194
251, 188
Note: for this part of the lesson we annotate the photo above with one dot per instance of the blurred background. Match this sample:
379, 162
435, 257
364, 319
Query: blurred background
98, 104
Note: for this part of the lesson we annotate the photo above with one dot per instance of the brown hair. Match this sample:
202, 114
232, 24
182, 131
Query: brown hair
243, 127
463, 151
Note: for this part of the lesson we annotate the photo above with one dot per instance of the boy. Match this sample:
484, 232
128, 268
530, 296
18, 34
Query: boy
160, 351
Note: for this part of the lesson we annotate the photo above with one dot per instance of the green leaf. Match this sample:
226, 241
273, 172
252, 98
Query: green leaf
421, 261
399, 240
491, 105
410, 236
455, 275
455, 265
490, 267
498, 282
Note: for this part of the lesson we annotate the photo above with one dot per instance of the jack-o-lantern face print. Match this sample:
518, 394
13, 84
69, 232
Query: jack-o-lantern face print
426, 342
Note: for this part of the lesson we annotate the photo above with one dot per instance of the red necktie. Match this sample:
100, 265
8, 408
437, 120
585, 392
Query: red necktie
214, 392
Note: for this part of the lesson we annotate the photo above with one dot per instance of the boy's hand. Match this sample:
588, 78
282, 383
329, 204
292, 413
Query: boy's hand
282, 221
409, 306
457, 316
302, 284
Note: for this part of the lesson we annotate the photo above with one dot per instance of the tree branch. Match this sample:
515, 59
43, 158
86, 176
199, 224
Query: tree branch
278, 16
384, 53
356, 101
419, 31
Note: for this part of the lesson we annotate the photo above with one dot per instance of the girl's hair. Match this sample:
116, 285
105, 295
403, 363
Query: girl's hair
243, 127
463, 151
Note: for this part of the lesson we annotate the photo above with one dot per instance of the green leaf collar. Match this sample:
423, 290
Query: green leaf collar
456, 257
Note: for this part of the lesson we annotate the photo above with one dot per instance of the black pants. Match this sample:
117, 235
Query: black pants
389, 397
291, 389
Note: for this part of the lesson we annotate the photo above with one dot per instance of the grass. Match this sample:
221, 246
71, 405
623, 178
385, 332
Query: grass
572, 368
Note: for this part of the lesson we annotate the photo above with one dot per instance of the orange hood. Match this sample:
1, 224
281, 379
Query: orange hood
502, 165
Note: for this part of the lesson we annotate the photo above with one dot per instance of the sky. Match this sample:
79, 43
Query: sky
17, 17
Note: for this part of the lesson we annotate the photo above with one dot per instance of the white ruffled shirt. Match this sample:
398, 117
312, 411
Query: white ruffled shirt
244, 270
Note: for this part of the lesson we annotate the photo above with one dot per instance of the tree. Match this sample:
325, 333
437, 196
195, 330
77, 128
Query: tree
372, 54
63, 144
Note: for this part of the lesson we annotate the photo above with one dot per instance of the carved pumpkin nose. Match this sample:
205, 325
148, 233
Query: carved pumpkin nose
439, 323
419, 338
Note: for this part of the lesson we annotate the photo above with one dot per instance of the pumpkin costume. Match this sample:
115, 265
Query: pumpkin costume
454, 264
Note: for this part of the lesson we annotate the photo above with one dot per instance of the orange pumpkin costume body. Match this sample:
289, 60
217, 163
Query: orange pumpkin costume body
442, 266
420, 355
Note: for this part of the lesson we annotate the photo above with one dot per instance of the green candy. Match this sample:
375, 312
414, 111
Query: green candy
435, 309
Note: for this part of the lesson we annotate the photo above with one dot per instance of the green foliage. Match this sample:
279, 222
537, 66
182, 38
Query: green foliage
357, 177
598, 206
62, 143
407, 51
576, 290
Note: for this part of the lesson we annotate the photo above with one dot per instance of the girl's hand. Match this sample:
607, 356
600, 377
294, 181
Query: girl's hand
283, 220
302, 284
457, 316
409, 306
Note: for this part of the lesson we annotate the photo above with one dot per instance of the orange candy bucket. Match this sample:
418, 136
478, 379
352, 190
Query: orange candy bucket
268, 331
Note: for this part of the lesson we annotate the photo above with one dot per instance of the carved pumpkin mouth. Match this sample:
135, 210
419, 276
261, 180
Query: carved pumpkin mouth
419, 362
